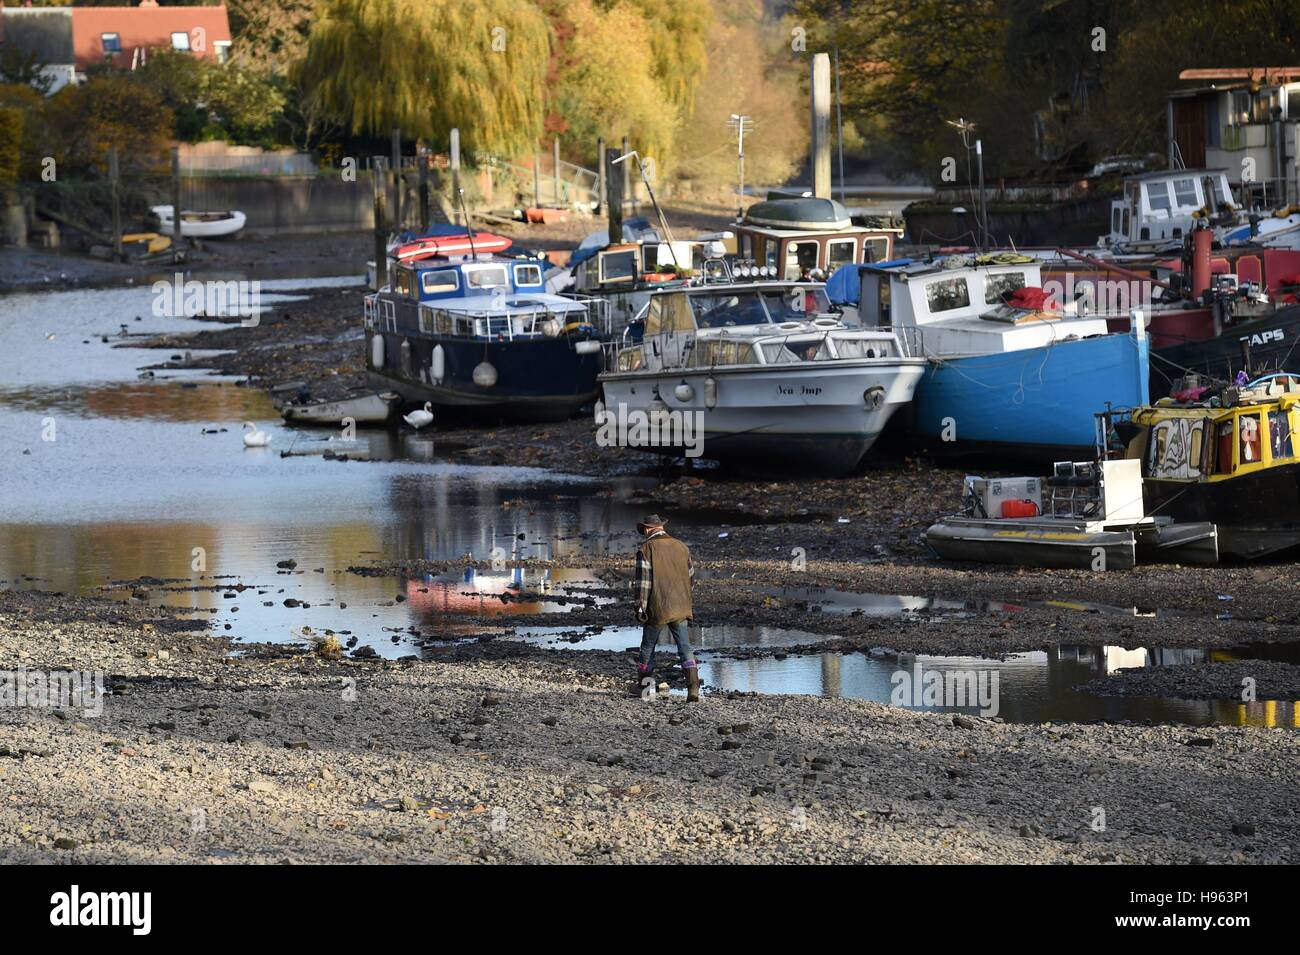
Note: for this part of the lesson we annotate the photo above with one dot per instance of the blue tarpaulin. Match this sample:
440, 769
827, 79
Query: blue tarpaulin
843, 287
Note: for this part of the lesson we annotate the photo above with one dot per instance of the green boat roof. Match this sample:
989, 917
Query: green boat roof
805, 212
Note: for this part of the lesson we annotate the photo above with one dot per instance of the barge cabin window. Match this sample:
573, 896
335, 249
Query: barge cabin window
439, 281
618, 266
840, 252
486, 276
946, 295
528, 275
999, 287
402, 283
800, 258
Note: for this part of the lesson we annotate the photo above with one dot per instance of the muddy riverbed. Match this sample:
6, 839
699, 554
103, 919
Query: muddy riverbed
139, 537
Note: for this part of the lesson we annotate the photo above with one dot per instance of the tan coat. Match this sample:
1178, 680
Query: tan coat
670, 590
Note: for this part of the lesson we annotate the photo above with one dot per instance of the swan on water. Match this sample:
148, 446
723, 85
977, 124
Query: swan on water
255, 438
418, 419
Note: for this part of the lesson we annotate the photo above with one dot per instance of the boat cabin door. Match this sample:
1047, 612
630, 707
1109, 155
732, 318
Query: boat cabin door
873, 300
669, 330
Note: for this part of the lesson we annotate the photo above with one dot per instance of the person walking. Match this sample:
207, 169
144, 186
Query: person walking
663, 587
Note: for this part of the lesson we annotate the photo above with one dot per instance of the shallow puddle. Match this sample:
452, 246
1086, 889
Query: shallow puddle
1031, 687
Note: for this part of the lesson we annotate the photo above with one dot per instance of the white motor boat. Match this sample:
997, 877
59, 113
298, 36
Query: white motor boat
200, 225
754, 370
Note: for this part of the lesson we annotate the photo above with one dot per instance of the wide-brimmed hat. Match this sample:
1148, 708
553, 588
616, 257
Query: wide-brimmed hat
654, 520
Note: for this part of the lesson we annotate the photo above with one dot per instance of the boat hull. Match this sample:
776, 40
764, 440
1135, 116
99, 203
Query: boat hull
1257, 515
1038, 402
537, 379
1272, 344
373, 409
1025, 546
805, 416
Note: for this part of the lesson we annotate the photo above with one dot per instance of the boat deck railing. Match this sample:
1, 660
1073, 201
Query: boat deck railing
723, 351
486, 323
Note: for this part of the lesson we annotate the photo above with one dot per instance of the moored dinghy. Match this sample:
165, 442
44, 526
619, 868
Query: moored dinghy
368, 408
200, 225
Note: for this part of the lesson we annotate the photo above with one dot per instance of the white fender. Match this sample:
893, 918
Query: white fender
377, 352
439, 364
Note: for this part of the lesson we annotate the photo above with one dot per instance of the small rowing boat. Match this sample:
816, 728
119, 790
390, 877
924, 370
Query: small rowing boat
200, 225
373, 408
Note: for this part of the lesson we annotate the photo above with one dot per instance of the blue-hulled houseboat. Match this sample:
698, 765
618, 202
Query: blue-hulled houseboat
1008, 369
480, 333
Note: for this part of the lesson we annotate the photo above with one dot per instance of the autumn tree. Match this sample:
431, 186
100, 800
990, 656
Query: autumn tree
427, 66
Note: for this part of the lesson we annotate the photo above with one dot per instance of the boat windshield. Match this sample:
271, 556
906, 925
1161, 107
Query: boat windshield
795, 304
728, 308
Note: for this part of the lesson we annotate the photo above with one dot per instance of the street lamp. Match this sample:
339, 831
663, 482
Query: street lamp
741, 124
967, 128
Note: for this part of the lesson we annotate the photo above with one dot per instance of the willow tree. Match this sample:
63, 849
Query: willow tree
430, 65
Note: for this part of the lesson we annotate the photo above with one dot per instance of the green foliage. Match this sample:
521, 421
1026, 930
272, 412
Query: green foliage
11, 137
211, 100
112, 110
428, 66
1051, 84
18, 66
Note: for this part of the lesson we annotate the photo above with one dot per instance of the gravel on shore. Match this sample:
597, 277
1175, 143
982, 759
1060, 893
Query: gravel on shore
200, 756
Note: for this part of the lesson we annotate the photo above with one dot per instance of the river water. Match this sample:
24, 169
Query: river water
108, 477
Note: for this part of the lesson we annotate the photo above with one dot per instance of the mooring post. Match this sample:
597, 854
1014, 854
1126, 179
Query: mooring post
555, 168
381, 233
537, 180
600, 174
455, 177
614, 186
627, 193
423, 154
176, 204
117, 205
397, 178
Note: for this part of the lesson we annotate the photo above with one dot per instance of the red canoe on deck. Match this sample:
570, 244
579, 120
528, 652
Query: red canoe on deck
449, 245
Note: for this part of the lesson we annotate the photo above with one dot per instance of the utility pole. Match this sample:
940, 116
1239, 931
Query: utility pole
741, 124
967, 129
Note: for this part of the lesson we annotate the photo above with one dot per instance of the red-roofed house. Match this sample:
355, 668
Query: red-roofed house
125, 35
69, 40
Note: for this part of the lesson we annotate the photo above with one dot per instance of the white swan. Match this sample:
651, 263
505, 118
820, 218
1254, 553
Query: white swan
418, 419
255, 438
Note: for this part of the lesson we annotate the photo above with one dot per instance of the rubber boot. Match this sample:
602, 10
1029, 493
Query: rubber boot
692, 684
642, 671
